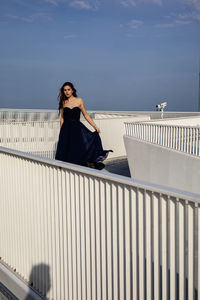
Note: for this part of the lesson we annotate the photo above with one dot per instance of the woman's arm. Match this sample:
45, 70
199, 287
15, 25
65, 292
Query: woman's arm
87, 117
61, 118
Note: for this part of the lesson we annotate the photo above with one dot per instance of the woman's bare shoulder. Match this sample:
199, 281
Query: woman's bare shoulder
80, 101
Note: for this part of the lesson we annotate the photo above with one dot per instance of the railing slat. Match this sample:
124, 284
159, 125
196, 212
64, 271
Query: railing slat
121, 243
73, 233
69, 235
181, 250
190, 237
156, 245
127, 211
134, 244
63, 237
87, 239
164, 263
103, 241
172, 247
93, 238
141, 252
148, 246
108, 200
115, 242
98, 238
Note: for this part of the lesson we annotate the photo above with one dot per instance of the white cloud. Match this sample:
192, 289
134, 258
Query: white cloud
31, 18
193, 17
85, 5
128, 3
159, 2
174, 23
80, 4
14, 17
166, 25
192, 4
54, 2
132, 3
181, 22
190, 14
135, 23
38, 16
69, 36
193, 10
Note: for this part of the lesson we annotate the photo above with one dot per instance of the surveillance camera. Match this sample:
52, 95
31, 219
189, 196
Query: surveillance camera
161, 106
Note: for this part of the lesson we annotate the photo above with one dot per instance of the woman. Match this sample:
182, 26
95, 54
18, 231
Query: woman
77, 144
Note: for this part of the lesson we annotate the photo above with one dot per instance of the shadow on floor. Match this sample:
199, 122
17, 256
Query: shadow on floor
118, 166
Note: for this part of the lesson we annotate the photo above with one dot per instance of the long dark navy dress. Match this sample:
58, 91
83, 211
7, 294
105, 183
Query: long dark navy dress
77, 144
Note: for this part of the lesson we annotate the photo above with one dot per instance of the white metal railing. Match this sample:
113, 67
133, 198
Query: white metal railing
40, 137
21, 115
8, 116
181, 138
37, 137
103, 236
26, 115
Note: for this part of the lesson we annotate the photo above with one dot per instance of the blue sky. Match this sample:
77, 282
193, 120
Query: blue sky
120, 54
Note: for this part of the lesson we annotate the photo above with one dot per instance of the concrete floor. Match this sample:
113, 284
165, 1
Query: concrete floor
118, 166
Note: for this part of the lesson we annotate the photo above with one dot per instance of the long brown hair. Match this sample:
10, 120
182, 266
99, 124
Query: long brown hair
61, 95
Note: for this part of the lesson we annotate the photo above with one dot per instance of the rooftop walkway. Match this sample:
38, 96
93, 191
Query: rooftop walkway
117, 166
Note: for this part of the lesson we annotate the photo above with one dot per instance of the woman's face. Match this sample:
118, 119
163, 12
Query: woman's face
68, 91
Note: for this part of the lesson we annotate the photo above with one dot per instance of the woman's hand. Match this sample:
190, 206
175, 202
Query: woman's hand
97, 129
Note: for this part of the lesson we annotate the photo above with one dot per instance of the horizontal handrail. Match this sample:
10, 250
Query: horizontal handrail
104, 175
145, 123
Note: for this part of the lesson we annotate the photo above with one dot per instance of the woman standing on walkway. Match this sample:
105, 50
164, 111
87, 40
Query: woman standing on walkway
77, 144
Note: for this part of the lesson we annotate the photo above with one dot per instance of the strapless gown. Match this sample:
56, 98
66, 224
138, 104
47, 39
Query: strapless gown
76, 143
